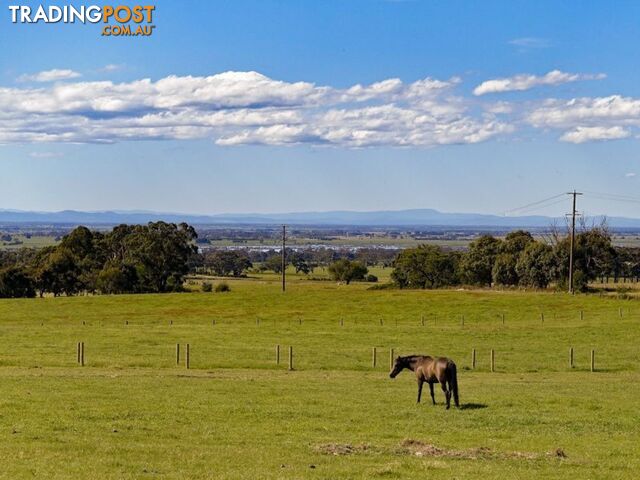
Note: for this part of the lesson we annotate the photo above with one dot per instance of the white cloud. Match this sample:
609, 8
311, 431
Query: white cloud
112, 67
563, 113
526, 82
588, 134
45, 154
234, 108
630, 174
50, 76
588, 119
499, 108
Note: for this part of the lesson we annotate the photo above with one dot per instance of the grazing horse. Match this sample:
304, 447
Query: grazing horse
430, 370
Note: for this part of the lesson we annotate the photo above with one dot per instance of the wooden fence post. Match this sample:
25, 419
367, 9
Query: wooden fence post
390, 358
542, 318
78, 351
277, 354
187, 356
493, 361
381, 322
290, 358
593, 360
620, 312
571, 357
177, 354
342, 322
473, 358
462, 321
374, 358
422, 320
581, 315
502, 318
82, 354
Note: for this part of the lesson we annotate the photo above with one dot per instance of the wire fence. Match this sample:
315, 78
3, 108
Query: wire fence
544, 341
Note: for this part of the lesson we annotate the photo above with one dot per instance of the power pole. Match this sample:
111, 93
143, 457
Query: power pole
573, 213
284, 262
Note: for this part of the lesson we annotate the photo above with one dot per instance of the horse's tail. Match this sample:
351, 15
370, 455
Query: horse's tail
453, 382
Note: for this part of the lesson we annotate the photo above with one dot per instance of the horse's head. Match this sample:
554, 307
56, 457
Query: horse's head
399, 364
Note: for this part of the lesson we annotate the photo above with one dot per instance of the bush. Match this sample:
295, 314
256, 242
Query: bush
426, 266
371, 278
223, 287
346, 271
207, 287
16, 283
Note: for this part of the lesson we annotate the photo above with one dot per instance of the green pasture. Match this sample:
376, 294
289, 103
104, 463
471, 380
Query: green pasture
20, 241
132, 412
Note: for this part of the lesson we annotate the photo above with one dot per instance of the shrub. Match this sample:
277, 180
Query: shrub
223, 287
207, 287
346, 271
426, 266
16, 283
371, 278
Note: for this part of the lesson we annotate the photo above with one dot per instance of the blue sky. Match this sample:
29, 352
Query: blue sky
355, 105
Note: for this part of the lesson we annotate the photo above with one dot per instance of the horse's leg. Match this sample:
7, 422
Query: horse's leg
447, 393
420, 382
433, 397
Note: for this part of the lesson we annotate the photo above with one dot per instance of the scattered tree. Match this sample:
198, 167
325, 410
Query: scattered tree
347, 271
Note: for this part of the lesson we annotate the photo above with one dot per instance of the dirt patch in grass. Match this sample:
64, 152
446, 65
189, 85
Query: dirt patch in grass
342, 448
422, 449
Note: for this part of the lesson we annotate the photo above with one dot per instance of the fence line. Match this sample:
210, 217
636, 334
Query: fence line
80, 357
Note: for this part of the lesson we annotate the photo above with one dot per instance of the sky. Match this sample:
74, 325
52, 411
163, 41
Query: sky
291, 105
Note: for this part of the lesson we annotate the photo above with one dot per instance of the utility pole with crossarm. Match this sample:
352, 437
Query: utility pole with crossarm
284, 258
573, 238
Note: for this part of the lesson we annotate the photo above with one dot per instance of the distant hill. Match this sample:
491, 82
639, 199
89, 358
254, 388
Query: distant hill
397, 218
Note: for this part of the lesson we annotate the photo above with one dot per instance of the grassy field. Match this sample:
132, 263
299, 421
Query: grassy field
20, 241
131, 412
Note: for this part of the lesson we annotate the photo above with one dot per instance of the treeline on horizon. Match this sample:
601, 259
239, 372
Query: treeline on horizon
518, 260
156, 258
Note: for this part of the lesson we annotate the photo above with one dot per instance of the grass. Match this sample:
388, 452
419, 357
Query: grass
36, 241
131, 412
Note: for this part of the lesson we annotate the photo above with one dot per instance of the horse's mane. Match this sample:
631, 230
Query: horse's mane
413, 357
410, 358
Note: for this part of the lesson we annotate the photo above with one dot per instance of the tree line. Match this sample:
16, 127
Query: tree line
155, 258
517, 260
151, 258
238, 262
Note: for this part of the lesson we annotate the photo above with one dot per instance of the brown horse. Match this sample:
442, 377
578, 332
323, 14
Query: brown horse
430, 370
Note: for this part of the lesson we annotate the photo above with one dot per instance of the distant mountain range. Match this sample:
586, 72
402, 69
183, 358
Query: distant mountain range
416, 217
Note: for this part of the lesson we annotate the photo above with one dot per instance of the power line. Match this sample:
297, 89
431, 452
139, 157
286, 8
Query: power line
541, 207
538, 204
613, 197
